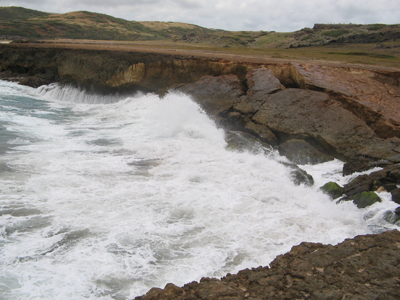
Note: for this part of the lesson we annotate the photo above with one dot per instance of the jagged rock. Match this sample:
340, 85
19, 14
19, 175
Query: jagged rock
298, 175
366, 267
355, 165
365, 199
262, 82
332, 189
300, 152
396, 195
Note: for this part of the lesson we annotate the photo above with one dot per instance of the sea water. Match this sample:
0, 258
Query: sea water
106, 197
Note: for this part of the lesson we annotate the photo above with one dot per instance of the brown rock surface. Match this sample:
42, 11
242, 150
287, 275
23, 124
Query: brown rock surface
371, 96
366, 267
319, 120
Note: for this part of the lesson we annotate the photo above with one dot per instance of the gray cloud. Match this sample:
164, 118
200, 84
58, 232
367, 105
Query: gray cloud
278, 15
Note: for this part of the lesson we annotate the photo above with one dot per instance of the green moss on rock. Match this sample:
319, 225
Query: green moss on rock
365, 199
332, 189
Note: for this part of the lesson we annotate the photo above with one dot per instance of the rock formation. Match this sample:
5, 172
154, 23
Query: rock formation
311, 112
366, 267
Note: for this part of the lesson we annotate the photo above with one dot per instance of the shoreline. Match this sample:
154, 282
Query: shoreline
317, 111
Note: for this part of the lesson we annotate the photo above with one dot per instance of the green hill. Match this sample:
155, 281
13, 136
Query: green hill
17, 23
14, 13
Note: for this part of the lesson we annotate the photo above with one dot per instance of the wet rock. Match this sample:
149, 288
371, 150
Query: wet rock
386, 177
391, 217
396, 195
355, 165
242, 141
300, 152
262, 132
332, 189
397, 211
360, 184
390, 187
234, 121
366, 267
365, 199
298, 175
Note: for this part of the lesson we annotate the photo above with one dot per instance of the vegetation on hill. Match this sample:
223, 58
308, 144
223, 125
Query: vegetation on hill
370, 44
13, 13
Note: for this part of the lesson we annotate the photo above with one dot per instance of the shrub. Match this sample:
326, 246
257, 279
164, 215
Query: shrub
335, 33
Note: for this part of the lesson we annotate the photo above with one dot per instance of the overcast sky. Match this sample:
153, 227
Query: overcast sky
278, 15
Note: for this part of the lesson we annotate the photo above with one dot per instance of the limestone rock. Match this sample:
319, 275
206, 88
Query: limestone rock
310, 115
262, 82
216, 95
370, 95
366, 267
300, 152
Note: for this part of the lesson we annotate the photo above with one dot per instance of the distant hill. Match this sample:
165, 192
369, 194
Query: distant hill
14, 13
17, 23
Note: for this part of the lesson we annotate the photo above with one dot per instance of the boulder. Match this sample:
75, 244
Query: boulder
300, 152
298, 175
365, 199
263, 132
396, 195
391, 217
359, 184
262, 82
355, 165
216, 95
332, 189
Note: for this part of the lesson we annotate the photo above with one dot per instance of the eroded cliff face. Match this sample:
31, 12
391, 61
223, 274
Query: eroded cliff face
341, 111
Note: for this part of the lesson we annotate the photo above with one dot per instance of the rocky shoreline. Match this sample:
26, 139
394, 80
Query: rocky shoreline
366, 267
310, 112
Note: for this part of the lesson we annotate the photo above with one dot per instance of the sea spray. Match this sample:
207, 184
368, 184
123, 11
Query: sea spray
104, 201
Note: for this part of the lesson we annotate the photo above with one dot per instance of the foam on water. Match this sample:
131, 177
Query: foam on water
104, 201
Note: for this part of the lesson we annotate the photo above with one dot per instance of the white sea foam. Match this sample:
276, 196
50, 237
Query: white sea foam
113, 199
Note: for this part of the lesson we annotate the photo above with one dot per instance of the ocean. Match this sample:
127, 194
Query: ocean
104, 197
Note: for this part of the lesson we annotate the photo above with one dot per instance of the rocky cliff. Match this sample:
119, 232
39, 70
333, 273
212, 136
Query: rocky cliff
310, 112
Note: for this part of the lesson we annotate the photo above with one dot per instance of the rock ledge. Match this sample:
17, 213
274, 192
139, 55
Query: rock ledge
366, 267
